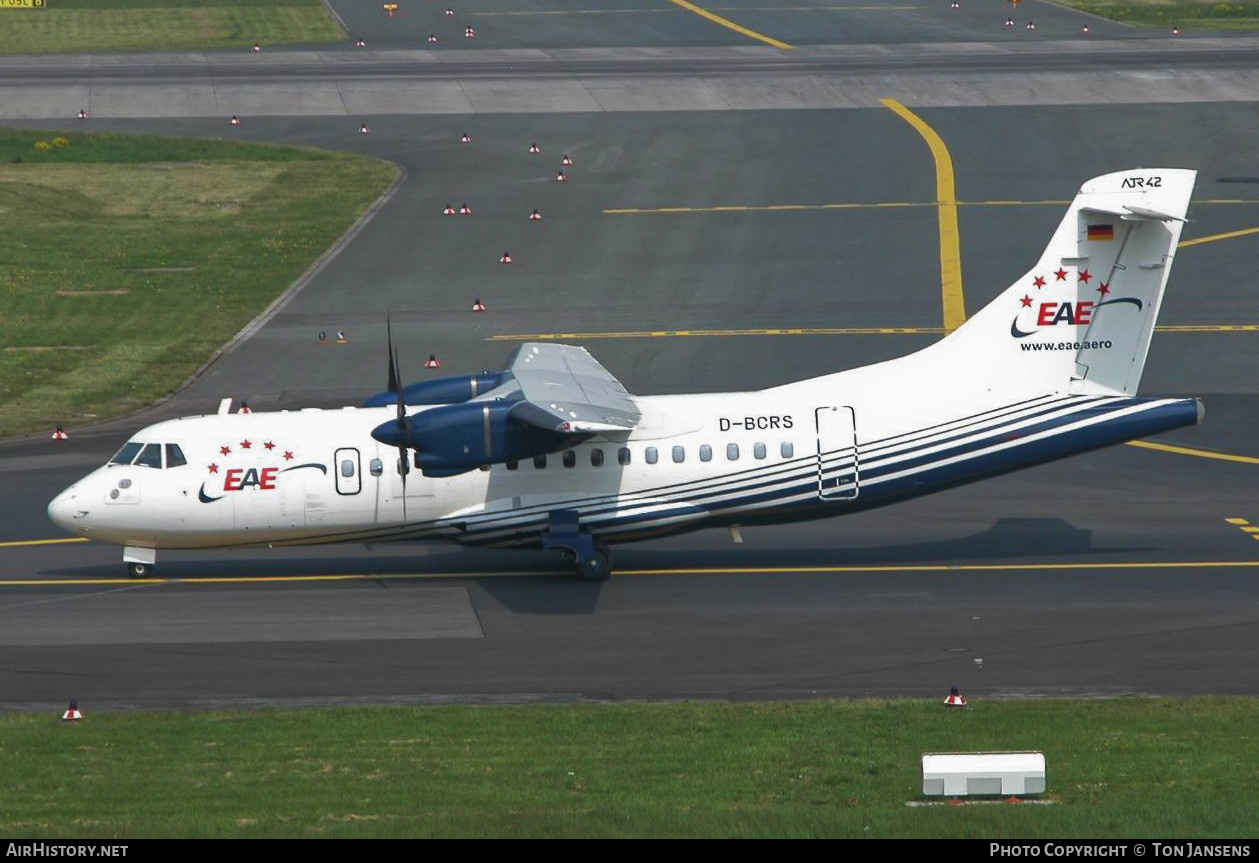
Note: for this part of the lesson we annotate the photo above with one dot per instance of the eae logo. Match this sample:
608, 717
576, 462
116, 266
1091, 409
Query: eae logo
1073, 313
251, 476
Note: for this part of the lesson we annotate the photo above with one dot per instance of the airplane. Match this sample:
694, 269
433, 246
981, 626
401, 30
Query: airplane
552, 452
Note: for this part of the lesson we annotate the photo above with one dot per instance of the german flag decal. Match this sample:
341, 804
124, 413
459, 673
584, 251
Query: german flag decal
1101, 232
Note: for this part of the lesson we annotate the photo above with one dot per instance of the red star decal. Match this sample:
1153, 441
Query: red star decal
270, 446
1038, 282
226, 450
214, 468
1085, 275
1061, 274
1026, 301
1103, 288
288, 455
245, 444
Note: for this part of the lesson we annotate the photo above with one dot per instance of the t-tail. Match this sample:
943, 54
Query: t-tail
1080, 321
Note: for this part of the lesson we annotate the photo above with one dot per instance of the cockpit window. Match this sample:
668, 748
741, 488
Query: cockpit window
127, 454
150, 456
175, 456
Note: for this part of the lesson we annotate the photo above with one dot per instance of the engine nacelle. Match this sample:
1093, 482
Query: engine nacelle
452, 439
443, 391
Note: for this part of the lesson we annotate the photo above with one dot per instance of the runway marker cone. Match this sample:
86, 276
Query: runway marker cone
506, 258
1031, 25
478, 306
235, 121
432, 37
341, 337
465, 210
432, 362
323, 338
449, 211
244, 407
82, 114
363, 130
72, 714
359, 43
1175, 31
468, 33
60, 433
534, 149
955, 699
1085, 29
465, 138
955, 5
561, 177
1009, 22
535, 216
450, 11
257, 47
567, 160
390, 8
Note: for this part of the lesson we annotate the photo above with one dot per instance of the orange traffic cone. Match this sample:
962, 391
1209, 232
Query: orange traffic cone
363, 130
82, 114
72, 714
465, 210
432, 38
466, 139
1031, 25
535, 216
60, 433
432, 362
478, 306
235, 121
323, 338
1175, 31
244, 407
535, 149
561, 177
449, 211
506, 258
468, 33
257, 47
341, 337
1085, 29
567, 160
955, 699
450, 11
359, 43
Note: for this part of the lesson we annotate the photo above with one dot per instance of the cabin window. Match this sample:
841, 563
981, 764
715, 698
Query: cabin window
596, 458
539, 461
376, 467
787, 449
150, 456
705, 452
570, 458
679, 454
732, 452
127, 454
511, 465
650, 455
623, 455
175, 456
758, 450
347, 467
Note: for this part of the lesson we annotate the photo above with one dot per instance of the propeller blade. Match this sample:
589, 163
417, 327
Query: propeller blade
393, 358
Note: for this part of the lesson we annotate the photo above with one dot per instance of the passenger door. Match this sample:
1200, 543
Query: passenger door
838, 463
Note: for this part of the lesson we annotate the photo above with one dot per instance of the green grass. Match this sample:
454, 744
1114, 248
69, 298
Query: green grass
65, 26
1125, 768
127, 260
1201, 15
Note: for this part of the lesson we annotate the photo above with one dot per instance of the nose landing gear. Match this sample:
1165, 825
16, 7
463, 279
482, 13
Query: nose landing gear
139, 561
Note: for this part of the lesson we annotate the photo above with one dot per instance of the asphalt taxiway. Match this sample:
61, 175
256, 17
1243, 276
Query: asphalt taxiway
685, 251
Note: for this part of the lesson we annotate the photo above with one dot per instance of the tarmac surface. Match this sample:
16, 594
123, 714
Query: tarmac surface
1112, 572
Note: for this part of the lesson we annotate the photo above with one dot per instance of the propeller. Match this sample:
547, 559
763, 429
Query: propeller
402, 423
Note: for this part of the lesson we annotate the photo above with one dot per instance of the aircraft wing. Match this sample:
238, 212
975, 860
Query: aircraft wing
563, 388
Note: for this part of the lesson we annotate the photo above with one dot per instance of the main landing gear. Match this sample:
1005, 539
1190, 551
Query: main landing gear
139, 561
591, 558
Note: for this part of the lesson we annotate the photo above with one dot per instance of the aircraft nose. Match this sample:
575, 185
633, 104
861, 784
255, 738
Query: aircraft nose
66, 512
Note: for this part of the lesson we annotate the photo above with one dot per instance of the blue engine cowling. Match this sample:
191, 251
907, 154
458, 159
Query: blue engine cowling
455, 438
443, 391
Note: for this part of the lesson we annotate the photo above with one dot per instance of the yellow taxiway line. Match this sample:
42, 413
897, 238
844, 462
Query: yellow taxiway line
1214, 237
734, 570
813, 331
888, 205
1199, 453
22, 542
520, 13
717, 19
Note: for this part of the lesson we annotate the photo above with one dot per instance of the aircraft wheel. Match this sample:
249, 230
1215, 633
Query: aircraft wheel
140, 570
595, 566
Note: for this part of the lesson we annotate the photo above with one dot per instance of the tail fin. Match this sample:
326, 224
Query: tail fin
1082, 318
